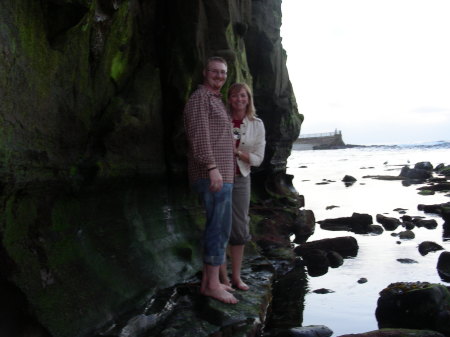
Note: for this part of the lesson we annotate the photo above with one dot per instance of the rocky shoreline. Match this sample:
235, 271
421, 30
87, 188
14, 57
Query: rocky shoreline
276, 273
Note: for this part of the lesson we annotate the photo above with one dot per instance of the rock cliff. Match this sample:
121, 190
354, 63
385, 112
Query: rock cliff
96, 214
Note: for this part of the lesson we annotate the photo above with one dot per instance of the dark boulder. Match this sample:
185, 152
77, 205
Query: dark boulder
415, 173
406, 235
389, 223
441, 209
407, 261
346, 246
409, 225
443, 266
443, 169
446, 232
424, 165
428, 247
357, 223
305, 331
335, 259
427, 223
418, 305
304, 226
441, 186
348, 180
315, 258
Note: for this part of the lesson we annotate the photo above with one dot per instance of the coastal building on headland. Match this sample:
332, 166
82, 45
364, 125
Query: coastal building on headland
320, 141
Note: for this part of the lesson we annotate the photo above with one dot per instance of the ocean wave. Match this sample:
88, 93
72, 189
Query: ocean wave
441, 144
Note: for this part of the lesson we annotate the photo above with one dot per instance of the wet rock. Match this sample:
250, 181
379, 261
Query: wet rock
426, 192
415, 173
406, 235
427, 223
316, 258
409, 225
376, 229
443, 186
441, 209
346, 246
414, 305
304, 226
385, 177
437, 180
443, 266
357, 223
396, 333
446, 233
424, 165
306, 331
428, 247
322, 254
443, 169
439, 166
348, 180
331, 207
406, 218
389, 223
286, 308
335, 259
182, 311
407, 261
323, 291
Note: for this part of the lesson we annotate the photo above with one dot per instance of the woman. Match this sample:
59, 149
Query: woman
249, 136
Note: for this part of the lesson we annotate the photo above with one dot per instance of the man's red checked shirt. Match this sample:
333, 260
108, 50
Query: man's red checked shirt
208, 131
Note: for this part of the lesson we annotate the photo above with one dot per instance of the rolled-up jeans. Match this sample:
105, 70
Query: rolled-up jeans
218, 220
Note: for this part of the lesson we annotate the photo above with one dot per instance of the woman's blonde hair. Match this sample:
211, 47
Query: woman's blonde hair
236, 87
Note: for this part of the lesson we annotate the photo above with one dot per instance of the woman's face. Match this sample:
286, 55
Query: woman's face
239, 100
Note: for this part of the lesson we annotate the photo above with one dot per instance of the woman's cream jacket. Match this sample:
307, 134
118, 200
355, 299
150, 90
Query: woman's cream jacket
253, 141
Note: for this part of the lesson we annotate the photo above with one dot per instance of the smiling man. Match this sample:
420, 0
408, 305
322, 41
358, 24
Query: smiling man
211, 171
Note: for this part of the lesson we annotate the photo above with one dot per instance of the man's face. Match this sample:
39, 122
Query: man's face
215, 75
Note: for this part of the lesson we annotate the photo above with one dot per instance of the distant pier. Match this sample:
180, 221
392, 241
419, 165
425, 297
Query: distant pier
320, 141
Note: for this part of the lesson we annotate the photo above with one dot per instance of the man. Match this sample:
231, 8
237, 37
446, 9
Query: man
211, 171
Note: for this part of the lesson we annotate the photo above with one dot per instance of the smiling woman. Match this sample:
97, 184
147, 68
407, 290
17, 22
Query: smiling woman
367, 66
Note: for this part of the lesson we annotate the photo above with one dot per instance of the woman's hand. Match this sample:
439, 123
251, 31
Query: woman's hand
244, 156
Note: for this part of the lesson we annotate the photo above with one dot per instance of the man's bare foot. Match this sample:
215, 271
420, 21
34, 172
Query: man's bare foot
220, 295
241, 285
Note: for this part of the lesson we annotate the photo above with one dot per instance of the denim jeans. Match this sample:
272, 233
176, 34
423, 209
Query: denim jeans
218, 220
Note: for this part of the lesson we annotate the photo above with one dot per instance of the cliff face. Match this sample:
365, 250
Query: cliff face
95, 208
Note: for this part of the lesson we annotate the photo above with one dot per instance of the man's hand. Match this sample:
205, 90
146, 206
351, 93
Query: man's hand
216, 180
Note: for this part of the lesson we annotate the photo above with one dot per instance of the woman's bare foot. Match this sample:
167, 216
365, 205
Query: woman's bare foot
225, 283
227, 287
241, 285
220, 294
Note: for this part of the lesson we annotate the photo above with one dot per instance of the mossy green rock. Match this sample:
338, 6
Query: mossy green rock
96, 214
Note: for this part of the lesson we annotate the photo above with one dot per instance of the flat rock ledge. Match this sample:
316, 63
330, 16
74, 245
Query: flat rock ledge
182, 311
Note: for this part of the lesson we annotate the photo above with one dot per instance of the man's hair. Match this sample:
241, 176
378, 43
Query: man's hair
236, 87
215, 59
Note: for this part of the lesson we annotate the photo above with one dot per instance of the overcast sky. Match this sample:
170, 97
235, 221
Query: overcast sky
379, 70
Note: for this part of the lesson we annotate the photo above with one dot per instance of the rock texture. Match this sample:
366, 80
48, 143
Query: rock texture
418, 305
96, 214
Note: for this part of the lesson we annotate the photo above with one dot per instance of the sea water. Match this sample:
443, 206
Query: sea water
318, 174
